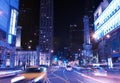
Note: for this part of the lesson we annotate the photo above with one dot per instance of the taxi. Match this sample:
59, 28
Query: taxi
31, 75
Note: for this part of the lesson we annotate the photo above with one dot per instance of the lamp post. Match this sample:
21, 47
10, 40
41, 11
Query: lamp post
105, 54
95, 48
51, 57
29, 47
110, 64
101, 48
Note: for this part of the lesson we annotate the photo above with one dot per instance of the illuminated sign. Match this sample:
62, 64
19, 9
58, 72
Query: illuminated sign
98, 12
13, 22
108, 20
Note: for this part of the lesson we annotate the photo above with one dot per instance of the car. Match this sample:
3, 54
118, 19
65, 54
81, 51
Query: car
45, 66
31, 75
69, 68
78, 67
55, 66
99, 71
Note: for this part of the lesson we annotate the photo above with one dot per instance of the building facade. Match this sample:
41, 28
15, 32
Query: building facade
25, 58
87, 47
8, 25
107, 31
45, 47
75, 36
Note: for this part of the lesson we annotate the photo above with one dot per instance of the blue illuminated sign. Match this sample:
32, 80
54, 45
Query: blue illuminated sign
10, 39
108, 20
13, 21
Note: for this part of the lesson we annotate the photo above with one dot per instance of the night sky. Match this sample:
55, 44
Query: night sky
66, 12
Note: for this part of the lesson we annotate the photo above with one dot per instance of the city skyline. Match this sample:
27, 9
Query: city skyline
65, 14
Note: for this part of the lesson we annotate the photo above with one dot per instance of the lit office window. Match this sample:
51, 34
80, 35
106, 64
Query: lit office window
10, 39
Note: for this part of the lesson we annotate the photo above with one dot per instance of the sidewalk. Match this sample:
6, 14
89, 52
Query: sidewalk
6, 73
114, 73
111, 73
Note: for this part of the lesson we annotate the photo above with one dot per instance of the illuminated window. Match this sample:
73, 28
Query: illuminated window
107, 13
110, 23
10, 39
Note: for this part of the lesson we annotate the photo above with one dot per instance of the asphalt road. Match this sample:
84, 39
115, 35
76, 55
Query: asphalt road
61, 75
6, 79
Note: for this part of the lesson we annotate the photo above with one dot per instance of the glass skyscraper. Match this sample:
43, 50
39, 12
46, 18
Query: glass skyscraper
8, 25
46, 32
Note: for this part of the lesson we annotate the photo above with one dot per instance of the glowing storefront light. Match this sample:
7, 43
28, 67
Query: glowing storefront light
10, 39
108, 20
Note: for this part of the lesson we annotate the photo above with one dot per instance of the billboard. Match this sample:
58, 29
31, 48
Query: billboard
108, 20
8, 18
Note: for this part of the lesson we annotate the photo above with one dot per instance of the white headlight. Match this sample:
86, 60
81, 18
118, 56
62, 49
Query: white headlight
17, 79
39, 78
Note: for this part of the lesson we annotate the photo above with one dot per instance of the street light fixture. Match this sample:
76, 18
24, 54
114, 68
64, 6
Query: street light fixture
30, 41
29, 47
52, 51
1, 13
108, 36
94, 36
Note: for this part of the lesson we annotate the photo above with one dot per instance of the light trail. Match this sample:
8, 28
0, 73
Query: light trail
89, 77
61, 78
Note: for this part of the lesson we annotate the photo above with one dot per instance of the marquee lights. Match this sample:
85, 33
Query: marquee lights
108, 20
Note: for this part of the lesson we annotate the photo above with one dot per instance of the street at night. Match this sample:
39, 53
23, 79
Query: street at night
61, 75
60, 41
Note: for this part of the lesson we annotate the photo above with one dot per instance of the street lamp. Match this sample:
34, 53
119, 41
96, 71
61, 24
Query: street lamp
103, 42
30, 41
108, 36
110, 63
93, 36
52, 51
1, 12
95, 48
29, 47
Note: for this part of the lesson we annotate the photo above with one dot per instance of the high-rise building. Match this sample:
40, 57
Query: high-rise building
8, 26
75, 36
107, 31
87, 53
45, 32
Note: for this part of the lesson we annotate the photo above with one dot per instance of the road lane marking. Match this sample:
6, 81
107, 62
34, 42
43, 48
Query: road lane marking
47, 80
89, 77
64, 75
61, 78
80, 81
